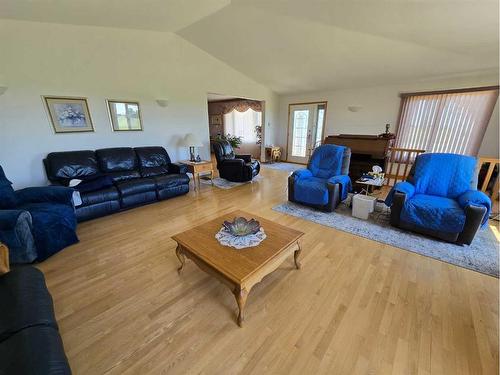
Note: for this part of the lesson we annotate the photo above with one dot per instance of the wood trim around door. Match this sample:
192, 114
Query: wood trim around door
325, 102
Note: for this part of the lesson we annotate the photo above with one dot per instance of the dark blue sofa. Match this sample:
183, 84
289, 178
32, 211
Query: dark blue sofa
325, 182
440, 198
36, 222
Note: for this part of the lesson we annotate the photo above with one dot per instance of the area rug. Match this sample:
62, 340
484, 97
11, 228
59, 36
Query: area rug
289, 167
482, 255
222, 183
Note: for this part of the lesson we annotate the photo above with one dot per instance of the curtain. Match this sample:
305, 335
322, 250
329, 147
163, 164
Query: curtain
242, 124
452, 122
235, 105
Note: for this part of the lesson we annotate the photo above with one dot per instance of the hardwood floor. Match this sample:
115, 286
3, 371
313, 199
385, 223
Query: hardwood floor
355, 307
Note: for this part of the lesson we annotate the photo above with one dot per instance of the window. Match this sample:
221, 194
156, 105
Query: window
319, 125
242, 124
449, 121
300, 125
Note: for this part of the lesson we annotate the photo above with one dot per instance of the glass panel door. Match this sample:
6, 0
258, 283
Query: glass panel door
305, 130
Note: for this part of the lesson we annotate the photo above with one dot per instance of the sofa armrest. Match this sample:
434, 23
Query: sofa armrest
401, 187
233, 163
475, 198
8, 218
247, 158
56, 194
473, 218
398, 201
301, 173
178, 168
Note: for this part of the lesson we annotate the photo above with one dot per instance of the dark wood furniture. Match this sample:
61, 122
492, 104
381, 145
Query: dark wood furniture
366, 151
239, 269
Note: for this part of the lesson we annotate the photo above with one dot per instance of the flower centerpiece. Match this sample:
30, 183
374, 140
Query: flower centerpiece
241, 233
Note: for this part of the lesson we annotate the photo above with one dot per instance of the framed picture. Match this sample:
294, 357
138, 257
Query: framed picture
124, 115
69, 114
215, 119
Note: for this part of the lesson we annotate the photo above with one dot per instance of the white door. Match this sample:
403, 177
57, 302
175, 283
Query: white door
305, 130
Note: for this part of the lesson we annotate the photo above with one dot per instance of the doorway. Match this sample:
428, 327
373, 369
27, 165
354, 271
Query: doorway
306, 124
237, 120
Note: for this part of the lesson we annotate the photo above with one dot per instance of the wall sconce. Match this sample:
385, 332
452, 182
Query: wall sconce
354, 108
162, 102
3, 89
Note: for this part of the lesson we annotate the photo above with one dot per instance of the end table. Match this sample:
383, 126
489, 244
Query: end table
198, 167
4, 259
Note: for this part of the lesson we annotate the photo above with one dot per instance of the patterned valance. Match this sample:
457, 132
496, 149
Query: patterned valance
230, 105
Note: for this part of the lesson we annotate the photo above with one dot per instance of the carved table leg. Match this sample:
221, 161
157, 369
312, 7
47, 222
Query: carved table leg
296, 256
241, 300
181, 258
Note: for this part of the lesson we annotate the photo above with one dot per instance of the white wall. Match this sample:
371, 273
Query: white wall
98, 63
380, 105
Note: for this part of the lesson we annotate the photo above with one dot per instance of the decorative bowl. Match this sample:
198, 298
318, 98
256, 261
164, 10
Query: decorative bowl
241, 226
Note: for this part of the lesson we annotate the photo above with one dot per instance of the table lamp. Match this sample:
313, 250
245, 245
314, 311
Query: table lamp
192, 141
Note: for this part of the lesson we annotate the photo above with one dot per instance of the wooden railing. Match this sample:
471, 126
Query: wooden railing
491, 162
399, 163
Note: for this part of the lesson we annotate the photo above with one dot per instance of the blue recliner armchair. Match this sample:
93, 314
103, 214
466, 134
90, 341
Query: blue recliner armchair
440, 198
325, 182
36, 222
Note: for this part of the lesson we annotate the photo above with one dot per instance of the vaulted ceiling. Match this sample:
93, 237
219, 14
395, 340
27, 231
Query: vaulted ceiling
308, 45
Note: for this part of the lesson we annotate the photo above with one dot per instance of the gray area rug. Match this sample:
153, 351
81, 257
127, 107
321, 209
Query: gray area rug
482, 255
222, 183
282, 166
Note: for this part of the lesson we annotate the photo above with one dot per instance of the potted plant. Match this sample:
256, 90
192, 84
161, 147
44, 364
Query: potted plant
233, 140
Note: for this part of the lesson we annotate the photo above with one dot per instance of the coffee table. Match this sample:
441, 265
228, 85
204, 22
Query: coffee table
238, 269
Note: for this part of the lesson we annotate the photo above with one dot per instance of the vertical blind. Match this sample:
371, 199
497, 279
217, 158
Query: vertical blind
449, 121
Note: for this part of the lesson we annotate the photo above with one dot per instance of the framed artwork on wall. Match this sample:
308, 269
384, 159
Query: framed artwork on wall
124, 115
68, 114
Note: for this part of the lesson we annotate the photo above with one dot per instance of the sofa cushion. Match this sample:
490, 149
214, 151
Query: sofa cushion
311, 190
25, 301
136, 186
433, 212
153, 161
99, 196
93, 184
124, 175
117, 159
171, 180
34, 350
64, 166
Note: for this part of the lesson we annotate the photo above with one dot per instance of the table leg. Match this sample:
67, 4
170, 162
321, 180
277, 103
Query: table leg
241, 299
212, 177
181, 258
296, 256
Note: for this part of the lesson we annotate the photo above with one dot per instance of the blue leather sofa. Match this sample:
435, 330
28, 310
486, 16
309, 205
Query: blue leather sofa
325, 181
440, 198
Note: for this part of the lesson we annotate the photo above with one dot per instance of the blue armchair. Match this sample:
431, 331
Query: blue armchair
440, 198
325, 182
36, 222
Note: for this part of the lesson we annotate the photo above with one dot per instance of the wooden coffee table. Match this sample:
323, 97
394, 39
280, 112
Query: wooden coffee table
239, 269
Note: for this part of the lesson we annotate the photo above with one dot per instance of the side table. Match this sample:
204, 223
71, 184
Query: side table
273, 154
198, 167
4, 259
